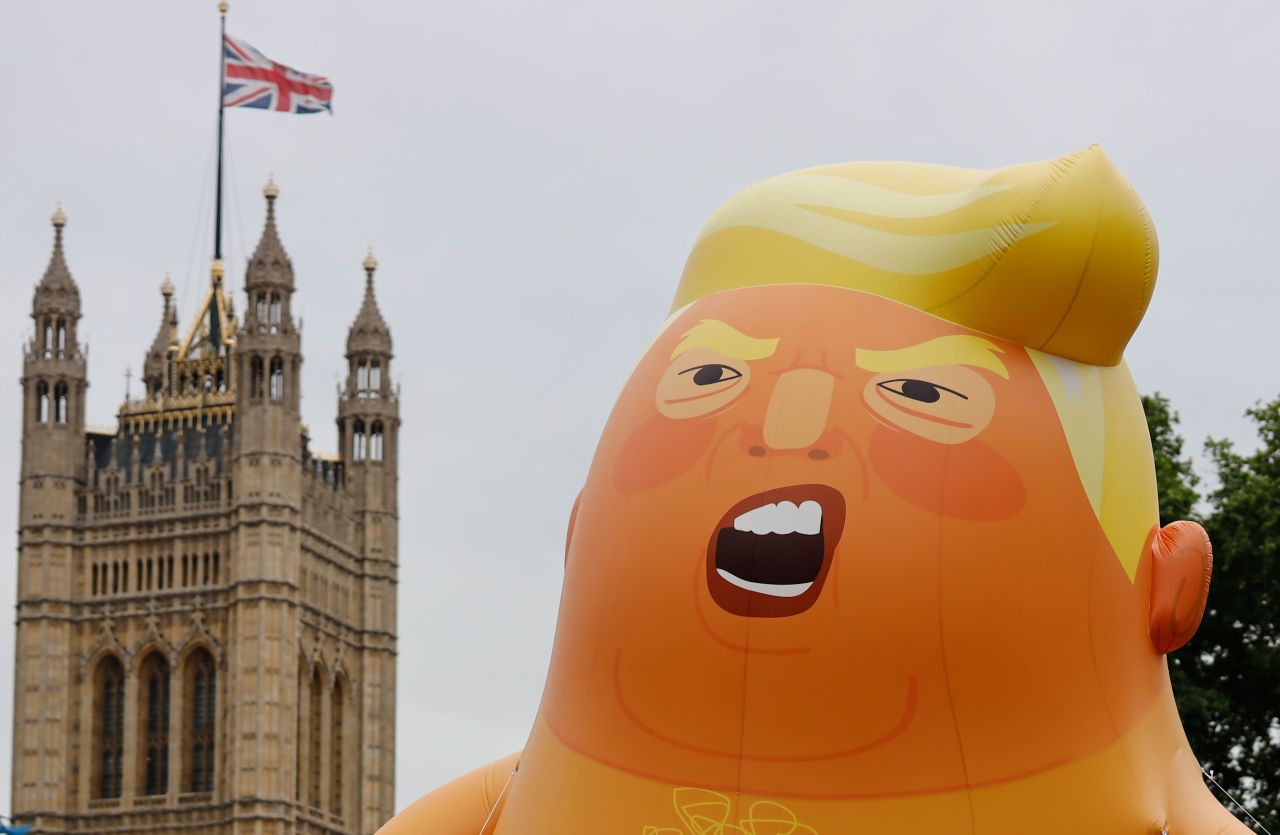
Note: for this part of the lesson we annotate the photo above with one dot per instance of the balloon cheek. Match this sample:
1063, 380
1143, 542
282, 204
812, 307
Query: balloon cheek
963, 481
659, 450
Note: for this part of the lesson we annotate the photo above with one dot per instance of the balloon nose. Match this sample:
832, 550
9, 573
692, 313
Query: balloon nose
796, 417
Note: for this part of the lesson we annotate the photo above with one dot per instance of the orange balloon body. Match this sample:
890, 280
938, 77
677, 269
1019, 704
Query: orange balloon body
835, 569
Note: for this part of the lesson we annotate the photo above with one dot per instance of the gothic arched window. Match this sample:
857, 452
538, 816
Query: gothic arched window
42, 402
262, 311
108, 727
277, 379
60, 403
336, 754
358, 451
200, 689
375, 377
48, 338
153, 753
300, 771
314, 699
375, 441
256, 376
62, 338
362, 378
275, 312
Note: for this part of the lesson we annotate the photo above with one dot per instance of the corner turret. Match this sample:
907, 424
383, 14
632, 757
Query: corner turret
368, 440
54, 378
54, 381
270, 348
368, 408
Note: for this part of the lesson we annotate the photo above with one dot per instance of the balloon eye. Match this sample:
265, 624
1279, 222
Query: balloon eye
919, 390
703, 383
712, 373
947, 404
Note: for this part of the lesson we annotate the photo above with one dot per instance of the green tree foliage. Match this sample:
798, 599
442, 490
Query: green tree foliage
1176, 480
1227, 679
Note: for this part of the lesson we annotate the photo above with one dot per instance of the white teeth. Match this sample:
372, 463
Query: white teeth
773, 589
783, 517
809, 517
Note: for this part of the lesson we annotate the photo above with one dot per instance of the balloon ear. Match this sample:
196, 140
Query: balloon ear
1180, 570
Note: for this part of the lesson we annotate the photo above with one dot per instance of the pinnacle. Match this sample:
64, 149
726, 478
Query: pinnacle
270, 263
57, 291
166, 335
369, 332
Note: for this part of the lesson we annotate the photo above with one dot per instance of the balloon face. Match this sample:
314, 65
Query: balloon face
831, 546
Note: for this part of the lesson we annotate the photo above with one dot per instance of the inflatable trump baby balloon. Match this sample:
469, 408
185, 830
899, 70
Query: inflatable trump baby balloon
870, 541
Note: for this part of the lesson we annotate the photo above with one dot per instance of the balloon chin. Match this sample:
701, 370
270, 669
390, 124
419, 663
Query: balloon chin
872, 739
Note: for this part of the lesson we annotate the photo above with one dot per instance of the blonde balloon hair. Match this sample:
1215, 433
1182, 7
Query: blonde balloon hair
1059, 256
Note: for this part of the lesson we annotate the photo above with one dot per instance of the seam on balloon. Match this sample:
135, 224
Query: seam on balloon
699, 580
1067, 164
942, 642
1084, 272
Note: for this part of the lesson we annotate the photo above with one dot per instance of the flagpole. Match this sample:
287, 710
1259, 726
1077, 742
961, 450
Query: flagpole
222, 84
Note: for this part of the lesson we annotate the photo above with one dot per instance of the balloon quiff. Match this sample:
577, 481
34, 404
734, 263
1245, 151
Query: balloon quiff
1060, 255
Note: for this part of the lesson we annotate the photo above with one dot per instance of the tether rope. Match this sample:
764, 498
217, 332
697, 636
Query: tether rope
1233, 800
501, 794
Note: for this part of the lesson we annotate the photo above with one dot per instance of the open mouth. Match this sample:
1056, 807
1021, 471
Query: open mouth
771, 553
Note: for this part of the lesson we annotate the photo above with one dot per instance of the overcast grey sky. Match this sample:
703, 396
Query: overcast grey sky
531, 175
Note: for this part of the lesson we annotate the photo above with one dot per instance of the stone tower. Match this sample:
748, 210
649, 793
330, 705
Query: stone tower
368, 438
49, 546
206, 608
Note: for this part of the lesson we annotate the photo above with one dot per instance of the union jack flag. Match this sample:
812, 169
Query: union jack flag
254, 80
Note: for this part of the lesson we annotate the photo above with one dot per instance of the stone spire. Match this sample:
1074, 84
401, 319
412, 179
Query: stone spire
268, 348
153, 369
270, 264
57, 292
369, 333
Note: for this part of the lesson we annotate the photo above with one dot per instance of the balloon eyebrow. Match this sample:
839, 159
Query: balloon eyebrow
957, 349
718, 336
